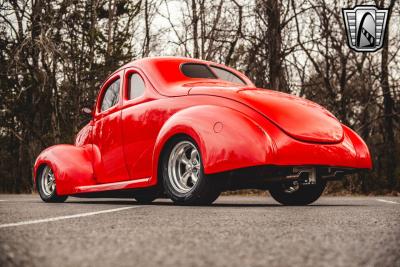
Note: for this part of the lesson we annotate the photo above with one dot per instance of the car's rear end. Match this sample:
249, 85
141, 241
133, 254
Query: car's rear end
309, 145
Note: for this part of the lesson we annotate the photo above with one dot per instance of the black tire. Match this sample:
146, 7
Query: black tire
148, 195
46, 196
205, 190
306, 194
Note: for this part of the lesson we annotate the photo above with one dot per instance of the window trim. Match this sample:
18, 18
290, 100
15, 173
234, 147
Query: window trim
224, 69
128, 102
195, 63
104, 88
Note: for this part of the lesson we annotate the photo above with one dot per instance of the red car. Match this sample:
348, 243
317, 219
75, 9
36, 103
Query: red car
189, 129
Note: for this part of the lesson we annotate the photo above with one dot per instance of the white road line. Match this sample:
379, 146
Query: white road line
65, 217
387, 201
1, 200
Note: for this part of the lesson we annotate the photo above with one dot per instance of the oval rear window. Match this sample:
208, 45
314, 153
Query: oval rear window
194, 70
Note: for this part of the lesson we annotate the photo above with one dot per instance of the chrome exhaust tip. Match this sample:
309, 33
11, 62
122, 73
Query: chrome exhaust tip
304, 175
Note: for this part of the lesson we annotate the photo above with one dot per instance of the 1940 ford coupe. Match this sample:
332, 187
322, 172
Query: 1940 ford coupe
190, 129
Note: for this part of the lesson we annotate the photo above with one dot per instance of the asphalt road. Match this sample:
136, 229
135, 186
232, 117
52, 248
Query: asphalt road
236, 231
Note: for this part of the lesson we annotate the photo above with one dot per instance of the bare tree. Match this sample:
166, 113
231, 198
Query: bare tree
55, 54
388, 107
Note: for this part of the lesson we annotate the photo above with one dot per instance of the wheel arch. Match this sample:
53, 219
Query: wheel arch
215, 131
71, 165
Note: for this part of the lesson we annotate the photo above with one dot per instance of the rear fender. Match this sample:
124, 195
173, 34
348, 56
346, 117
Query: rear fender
71, 165
227, 139
363, 155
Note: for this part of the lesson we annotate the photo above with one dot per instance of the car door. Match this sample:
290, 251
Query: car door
109, 162
141, 122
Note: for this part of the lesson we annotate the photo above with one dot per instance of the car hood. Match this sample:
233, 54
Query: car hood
298, 117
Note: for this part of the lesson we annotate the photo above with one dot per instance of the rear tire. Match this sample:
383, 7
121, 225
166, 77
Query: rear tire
183, 177
304, 195
46, 185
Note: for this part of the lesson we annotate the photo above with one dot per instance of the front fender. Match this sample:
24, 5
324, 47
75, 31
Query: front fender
71, 165
227, 139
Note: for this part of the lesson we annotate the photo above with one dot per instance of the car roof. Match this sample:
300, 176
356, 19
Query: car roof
165, 75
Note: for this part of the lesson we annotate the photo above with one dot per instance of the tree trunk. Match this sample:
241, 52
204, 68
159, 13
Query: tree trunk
195, 21
388, 110
146, 45
274, 44
111, 15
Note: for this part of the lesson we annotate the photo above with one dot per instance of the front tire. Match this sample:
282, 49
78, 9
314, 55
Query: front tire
300, 196
183, 176
46, 185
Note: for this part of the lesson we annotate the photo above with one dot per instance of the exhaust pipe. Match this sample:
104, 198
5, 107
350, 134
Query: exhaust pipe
309, 175
305, 175
336, 175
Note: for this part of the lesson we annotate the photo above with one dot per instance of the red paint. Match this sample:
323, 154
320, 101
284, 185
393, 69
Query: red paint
298, 117
235, 126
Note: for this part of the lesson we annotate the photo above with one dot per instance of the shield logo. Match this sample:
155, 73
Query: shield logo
365, 27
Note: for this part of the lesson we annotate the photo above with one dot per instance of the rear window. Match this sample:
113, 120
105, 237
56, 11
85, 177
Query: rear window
226, 75
194, 70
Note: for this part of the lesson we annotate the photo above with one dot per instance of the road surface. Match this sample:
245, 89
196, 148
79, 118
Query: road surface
236, 231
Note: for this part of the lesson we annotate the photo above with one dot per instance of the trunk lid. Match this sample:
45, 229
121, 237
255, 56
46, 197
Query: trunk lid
298, 117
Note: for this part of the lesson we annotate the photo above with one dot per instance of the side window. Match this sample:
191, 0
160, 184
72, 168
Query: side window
111, 96
226, 75
136, 86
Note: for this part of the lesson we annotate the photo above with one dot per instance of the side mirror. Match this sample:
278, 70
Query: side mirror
87, 111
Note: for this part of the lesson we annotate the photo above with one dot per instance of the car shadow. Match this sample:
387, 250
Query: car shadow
214, 205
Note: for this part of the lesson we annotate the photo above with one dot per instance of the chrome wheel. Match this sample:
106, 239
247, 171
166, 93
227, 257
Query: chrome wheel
48, 181
291, 188
184, 166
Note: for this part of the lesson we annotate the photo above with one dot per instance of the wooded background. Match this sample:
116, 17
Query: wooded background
55, 54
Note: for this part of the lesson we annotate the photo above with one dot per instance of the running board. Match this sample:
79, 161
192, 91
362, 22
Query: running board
112, 186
